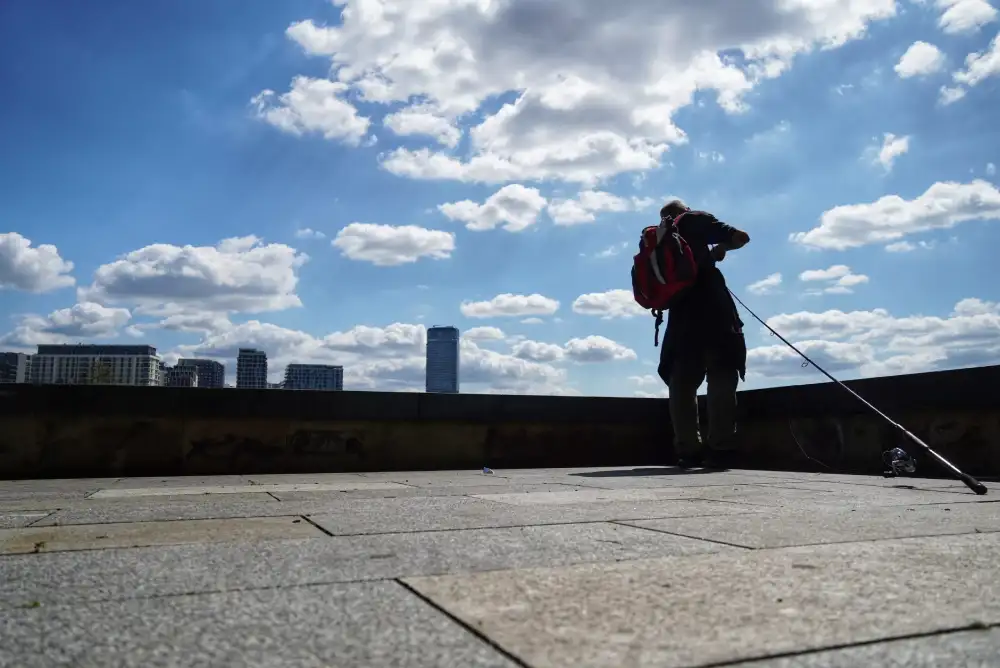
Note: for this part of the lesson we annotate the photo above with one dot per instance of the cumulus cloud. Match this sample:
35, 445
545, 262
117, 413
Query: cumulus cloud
537, 351
31, 268
873, 343
594, 349
313, 106
944, 205
513, 206
484, 334
510, 306
978, 67
238, 274
607, 305
585, 207
389, 245
424, 120
766, 285
920, 59
307, 233
595, 85
959, 16
837, 279
891, 148
80, 322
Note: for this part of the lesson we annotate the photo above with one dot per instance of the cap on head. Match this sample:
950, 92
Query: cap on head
673, 208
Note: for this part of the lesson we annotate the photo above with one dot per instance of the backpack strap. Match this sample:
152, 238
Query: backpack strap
656, 327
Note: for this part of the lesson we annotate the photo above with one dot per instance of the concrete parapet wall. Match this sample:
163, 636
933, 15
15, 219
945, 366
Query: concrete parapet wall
98, 431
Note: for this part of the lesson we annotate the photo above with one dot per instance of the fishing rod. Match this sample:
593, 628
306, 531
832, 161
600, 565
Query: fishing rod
970, 482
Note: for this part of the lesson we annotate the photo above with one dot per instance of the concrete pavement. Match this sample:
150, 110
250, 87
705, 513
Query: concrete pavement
639, 566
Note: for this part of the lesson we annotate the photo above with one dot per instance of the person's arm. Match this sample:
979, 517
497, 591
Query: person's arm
714, 232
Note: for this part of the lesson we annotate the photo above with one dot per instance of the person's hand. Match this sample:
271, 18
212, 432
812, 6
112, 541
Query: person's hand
718, 253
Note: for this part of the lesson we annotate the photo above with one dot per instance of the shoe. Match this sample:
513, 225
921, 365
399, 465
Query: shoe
689, 461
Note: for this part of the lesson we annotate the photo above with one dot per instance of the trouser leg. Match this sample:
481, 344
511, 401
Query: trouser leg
723, 379
685, 379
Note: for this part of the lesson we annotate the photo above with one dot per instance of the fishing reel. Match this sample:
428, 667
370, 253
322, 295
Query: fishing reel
897, 462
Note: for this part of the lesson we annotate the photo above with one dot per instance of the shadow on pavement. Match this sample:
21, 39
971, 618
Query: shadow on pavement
664, 470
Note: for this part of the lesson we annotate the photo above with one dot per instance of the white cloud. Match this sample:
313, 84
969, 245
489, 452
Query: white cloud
237, 274
711, 156
32, 269
510, 306
484, 334
766, 285
873, 343
200, 323
978, 67
85, 320
920, 59
891, 148
598, 104
307, 233
960, 16
908, 246
610, 304
536, 351
393, 245
950, 94
514, 206
943, 205
611, 251
594, 349
532, 321
424, 120
313, 105
838, 279
588, 203
991, 169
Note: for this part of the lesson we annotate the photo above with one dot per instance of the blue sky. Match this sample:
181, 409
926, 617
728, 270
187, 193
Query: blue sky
138, 138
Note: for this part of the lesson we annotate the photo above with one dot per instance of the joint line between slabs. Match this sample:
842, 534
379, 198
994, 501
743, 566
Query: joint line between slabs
494, 645
625, 523
974, 626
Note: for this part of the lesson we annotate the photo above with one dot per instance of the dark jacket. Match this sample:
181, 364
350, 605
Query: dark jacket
706, 316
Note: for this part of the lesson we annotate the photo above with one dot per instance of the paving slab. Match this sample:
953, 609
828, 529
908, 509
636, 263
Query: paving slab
409, 491
784, 529
714, 608
135, 492
370, 625
569, 497
968, 649
817, 495
141, 534
669, 476
449, 513
16, 520
221, 506
124, 573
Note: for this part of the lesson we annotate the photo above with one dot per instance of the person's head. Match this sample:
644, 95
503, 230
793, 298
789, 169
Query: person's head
673, 208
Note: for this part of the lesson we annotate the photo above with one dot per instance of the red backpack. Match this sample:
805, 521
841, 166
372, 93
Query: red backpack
662, 270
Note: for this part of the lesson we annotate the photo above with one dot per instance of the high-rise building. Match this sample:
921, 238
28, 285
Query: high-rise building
314, 377
181, 376
251, 369
85, 364
210, 372
442, 359
15, 368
